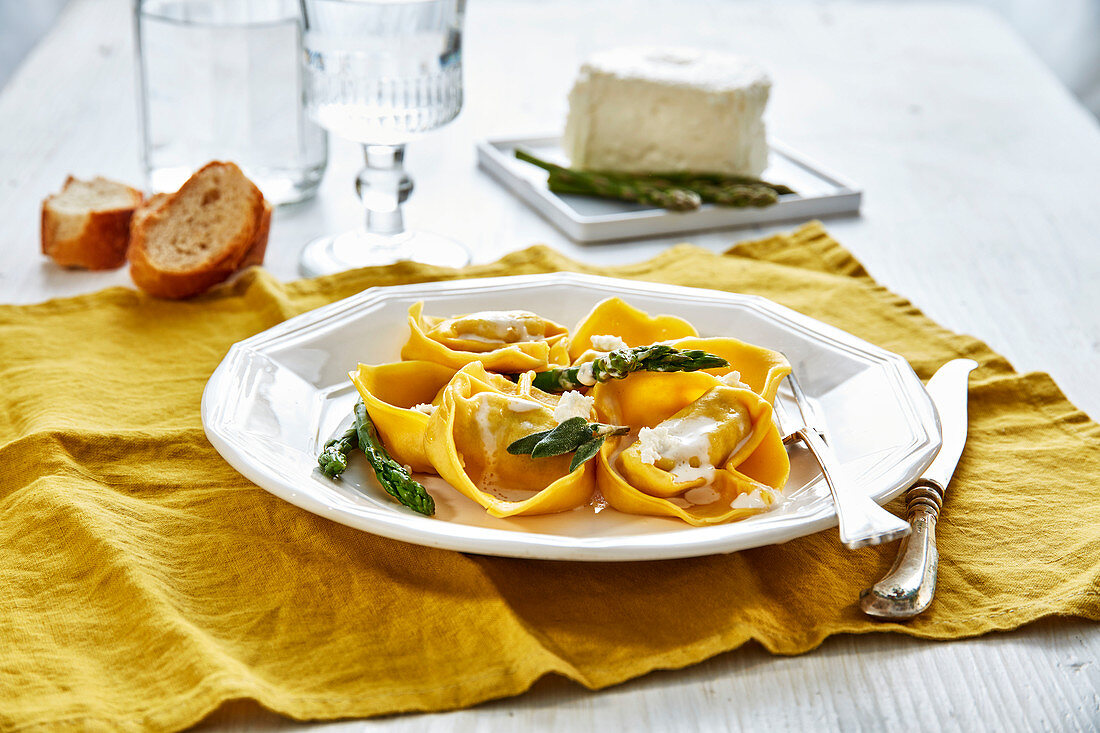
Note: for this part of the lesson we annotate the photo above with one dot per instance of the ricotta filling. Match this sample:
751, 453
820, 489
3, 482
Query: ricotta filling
573, 404
425, 407
607, 342
733, 379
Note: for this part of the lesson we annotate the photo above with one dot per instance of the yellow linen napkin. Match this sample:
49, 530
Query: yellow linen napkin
143, 581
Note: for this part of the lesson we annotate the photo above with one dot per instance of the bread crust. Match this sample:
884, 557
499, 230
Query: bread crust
246, 248
102, 241
258, 248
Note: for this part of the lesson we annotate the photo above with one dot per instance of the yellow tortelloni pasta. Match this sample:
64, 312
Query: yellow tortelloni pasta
729, 429
615, 317
400, 397
761, 369
501, 341
466, 442
392, 394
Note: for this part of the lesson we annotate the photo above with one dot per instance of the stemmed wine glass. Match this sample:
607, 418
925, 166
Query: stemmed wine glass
382, 73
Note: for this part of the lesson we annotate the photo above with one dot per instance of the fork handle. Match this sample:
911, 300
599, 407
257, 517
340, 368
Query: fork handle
862, 521
910, 584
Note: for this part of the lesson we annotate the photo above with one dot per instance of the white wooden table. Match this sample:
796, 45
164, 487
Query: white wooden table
982, 180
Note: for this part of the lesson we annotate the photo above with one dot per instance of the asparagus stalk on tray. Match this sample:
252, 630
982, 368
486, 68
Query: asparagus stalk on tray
672, 198
621, 362
393, 477
673, 191
721, 180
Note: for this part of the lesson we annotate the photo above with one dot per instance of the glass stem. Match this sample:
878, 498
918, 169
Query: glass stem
383, 186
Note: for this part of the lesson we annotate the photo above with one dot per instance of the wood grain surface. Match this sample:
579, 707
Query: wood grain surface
982, 206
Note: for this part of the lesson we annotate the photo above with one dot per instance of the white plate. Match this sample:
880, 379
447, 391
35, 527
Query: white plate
588, 219
278, 396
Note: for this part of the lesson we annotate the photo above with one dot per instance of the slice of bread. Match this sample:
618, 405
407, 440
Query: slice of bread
148, 206
184, 243
87, 224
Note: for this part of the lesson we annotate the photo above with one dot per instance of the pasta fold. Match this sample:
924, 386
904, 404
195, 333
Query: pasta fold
510, 342
467, 439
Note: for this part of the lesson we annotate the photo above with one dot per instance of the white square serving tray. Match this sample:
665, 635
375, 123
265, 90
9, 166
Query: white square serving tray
587, 219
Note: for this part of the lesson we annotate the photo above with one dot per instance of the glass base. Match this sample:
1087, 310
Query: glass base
359, 248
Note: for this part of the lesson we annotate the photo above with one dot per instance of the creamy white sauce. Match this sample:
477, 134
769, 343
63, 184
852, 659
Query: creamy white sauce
477, 337
523, 405
508, 327
481, 417
682, 473
585, 375
488, 443
752, 500
701, 495
688, 448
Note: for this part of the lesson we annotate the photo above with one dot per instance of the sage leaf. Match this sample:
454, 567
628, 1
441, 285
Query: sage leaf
565, 438
586, 452
525, 445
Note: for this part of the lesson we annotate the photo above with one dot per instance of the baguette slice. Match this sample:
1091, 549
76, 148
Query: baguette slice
184, 243
258, 248
148, 206
87, 224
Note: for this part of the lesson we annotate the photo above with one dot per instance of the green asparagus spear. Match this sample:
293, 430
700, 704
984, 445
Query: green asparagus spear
673, 199
393, 477
735, 191
740, 194
695, 180
564, 180
621, 362
575, 435
334, 458
676, 191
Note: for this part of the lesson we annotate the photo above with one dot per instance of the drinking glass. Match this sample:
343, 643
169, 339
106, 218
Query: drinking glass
223, 81
382, 73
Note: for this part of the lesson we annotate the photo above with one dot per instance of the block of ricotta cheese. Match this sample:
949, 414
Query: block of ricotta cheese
668, 109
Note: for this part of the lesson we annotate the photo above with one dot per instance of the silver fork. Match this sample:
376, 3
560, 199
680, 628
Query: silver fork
862, 521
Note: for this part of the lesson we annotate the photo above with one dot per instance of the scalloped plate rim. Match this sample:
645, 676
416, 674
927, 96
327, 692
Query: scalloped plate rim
683, 541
